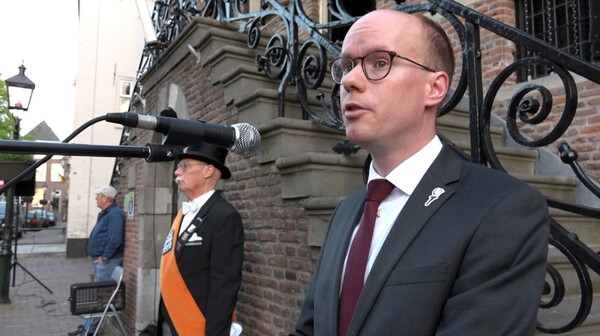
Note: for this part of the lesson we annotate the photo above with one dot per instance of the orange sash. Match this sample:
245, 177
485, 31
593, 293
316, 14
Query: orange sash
183, 310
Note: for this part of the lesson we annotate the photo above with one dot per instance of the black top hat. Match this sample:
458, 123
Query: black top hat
210, 154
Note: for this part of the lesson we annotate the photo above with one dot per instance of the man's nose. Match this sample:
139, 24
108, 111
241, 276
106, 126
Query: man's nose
354, 79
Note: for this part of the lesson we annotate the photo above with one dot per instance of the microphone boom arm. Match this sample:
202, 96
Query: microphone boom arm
150, 152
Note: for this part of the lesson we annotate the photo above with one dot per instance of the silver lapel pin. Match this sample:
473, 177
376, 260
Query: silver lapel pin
435, 194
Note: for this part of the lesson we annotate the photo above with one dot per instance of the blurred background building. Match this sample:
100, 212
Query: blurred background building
110, 44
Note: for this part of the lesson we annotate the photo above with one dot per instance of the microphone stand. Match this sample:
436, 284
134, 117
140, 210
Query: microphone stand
16, 262
150, 152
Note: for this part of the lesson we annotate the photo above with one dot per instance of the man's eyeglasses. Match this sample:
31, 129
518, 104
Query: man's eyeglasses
184, 165
375, 65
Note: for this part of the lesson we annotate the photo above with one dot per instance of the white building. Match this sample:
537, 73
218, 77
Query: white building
111, 40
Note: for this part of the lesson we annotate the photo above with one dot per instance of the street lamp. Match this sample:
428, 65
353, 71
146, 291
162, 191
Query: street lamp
66, 166
19, 89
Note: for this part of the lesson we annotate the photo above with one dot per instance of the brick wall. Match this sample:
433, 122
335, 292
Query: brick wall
584, 132
130, 256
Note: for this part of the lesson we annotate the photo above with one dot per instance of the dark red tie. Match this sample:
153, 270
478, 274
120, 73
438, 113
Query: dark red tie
354, 277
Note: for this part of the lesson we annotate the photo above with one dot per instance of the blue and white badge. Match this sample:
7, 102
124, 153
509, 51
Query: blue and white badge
168, 243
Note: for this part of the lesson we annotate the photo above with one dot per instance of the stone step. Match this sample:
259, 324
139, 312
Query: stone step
456, 128
557, 187
459, 113
313, 174
562, 264
318, 211
454, 125
587, 229
514, 160
213, 34
564, 313
235, 66
285, 137
566, 310
261, 106
242, 81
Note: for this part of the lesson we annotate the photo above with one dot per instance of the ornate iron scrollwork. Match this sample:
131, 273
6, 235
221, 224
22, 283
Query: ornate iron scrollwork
557, 289
527, 109
297, 55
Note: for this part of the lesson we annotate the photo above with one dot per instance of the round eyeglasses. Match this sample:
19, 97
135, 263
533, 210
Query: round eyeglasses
184, 165
375, 65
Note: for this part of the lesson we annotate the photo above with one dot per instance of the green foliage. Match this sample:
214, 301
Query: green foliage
7, 126
6, 121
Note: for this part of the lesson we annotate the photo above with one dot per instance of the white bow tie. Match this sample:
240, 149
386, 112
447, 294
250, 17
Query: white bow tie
190, 206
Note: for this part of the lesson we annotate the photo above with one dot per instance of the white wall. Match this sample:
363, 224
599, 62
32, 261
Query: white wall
110, 47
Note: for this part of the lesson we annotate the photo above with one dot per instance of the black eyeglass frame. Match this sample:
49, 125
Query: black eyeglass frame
362, 64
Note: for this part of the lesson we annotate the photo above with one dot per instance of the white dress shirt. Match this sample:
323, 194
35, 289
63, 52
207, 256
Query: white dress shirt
187, 219
405, 178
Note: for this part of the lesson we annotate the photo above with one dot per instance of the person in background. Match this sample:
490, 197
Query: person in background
201, 264
443, 246
105, 246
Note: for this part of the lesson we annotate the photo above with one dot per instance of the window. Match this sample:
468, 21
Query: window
571, 25
125, 91
55, 172
354, 8
40, 173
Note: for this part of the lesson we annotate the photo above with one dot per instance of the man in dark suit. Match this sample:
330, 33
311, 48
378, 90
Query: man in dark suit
201, 264
443, 246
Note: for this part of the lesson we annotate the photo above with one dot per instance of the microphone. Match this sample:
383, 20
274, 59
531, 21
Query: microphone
241, 139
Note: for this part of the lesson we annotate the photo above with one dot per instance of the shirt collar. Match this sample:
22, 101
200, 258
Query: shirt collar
109, 207
200, 200
409, 173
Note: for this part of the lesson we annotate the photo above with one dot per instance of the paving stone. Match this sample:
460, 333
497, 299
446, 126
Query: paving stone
33, 310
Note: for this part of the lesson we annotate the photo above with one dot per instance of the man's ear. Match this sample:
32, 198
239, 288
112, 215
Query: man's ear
209, 170
438, 87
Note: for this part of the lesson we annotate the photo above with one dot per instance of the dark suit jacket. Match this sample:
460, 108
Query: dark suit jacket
213, 270
471, 263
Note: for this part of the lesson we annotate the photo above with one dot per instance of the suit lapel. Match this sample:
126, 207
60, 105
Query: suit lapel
443, 171
206, 206
346, 220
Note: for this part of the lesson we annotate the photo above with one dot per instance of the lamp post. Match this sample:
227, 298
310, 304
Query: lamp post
19, 89
66, 165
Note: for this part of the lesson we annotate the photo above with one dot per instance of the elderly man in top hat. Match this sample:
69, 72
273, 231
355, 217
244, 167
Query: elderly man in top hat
201, 264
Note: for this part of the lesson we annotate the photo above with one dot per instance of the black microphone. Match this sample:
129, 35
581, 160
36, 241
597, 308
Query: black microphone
242, 139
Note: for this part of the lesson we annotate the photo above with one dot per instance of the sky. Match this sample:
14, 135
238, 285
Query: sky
43, 35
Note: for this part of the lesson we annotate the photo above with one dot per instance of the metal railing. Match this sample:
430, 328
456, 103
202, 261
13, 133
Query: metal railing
302, 65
